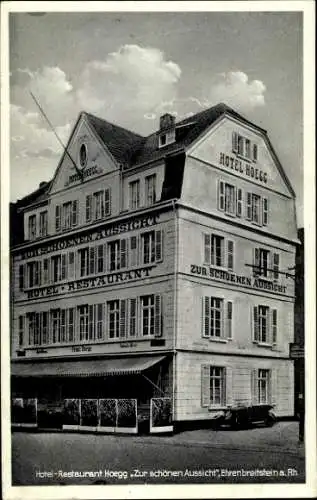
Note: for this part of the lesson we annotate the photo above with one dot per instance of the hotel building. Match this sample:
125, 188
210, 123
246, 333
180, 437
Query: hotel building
157, 267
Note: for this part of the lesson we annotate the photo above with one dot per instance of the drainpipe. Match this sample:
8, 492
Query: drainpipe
175, 303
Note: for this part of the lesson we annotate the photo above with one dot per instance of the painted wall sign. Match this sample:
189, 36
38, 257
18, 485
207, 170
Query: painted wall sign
88, 283
98, 234
88, 172
249, 282
81, 348
242, 167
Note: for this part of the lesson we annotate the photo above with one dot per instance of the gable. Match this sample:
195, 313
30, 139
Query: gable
222, 145
88, 153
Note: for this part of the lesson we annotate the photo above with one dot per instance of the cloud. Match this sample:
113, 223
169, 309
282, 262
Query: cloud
235, 89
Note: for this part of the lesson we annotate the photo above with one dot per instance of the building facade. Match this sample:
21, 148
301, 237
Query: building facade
156, 267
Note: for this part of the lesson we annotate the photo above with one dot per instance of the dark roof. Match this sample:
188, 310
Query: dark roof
120, 141
131, 149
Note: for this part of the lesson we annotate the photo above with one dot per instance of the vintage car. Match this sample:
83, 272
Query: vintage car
243, 417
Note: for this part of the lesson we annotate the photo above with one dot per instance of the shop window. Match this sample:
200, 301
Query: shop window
32, 227
152, 247
43, 223
150, 190
134, 194
265, 327
213, 386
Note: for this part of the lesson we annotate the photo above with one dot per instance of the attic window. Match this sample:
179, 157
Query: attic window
83, 155
167, 137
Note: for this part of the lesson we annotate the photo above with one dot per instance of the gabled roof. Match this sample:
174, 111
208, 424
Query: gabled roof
130, 149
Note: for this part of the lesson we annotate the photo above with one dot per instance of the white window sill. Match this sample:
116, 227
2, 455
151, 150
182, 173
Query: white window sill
264, 344
217, 339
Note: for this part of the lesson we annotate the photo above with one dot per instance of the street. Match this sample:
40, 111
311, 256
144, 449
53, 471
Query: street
201, 456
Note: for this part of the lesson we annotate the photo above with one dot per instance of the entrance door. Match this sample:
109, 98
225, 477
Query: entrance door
161, 415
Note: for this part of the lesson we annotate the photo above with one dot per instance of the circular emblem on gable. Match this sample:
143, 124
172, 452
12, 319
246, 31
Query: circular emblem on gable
83, 155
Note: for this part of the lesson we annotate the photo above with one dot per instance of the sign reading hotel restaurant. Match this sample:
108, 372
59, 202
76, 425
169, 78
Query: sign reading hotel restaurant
88, 283
219, 274
88, 172
95, 235
242, 167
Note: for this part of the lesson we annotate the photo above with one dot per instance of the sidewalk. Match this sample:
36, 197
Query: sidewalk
282, 437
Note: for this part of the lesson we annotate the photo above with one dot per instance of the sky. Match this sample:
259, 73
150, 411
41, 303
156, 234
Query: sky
129, 68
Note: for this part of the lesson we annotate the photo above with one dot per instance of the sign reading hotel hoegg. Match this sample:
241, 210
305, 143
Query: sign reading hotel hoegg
242, 167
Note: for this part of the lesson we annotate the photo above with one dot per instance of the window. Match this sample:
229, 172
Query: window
113, 319
217, 321
32, 227
56, 262
257, 209
117, 252
132, 317
243, 147
71, 324
33, 270
98, 205
213, 386
150, 184
247, 148
152, 246
66, 216
134, 187
229, 199
45, 272
83, 322
266, 263
43, 223
255, 152
88, 208
151, 315
21, 331
166, 138
133, 251
265, 327
100, 259
214, 250
45, 328
239, 203
55, 325
57, 218
83, 261
99, 321
263, 386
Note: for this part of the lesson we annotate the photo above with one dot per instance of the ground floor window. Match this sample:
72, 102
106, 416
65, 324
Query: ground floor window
263, 386
213, 385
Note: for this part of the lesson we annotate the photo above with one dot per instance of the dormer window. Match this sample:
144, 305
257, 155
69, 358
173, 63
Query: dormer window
167, 130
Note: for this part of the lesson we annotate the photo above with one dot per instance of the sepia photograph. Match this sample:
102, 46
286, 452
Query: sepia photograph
157, 228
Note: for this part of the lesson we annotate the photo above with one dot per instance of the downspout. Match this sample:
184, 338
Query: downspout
175, 304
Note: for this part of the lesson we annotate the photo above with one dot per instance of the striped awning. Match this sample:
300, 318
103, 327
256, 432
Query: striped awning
85, 368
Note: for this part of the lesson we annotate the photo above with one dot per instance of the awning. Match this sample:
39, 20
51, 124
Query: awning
85, 368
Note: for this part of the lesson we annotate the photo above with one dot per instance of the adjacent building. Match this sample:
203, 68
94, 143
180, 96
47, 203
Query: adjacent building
158, 267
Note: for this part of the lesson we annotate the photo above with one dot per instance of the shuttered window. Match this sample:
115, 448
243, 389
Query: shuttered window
265, 211
151, 315
152, 246
234, 142
100, 258
113, 319
213, 317
264, 325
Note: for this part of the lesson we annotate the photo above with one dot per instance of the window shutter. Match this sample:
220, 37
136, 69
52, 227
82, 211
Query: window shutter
249, 206
239, 203
273, 388
123, 253
255, 323
71, 265
158, 246
207, 248
228, 386
158, 316
256, 262
234, 142
57, 218
75, 213
64, 266
229, 320
230, 250
254, 386
133, 251
221, 195
206, 317
132, 317
276, 265
255, 152
274, 326
123, 306
265, 211
107, 202
88, 207
205, 385
21, 276
92, 257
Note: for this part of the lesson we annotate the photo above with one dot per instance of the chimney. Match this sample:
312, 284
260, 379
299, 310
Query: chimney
167, 122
